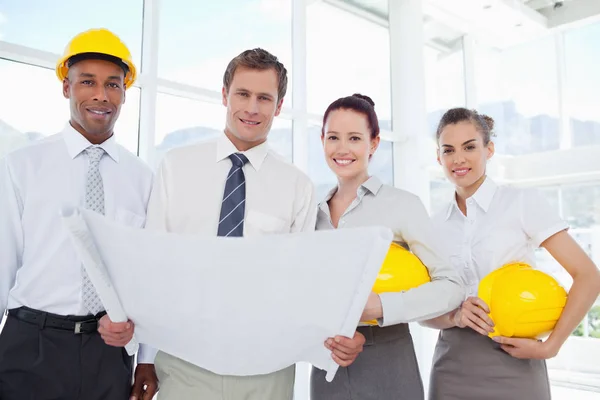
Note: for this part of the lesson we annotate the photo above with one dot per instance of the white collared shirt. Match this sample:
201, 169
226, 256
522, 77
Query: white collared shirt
38, 264
503, 225
190, 181
377, 204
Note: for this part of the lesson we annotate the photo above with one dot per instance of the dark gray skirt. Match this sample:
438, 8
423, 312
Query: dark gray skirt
470, 366
387, 369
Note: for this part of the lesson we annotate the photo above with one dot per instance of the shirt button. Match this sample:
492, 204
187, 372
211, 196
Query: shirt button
469, 202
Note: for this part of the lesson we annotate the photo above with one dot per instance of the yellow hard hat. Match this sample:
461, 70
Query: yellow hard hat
99, 41
523, 302
401, 271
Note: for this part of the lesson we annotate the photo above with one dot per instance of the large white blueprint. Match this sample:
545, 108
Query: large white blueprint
234, 306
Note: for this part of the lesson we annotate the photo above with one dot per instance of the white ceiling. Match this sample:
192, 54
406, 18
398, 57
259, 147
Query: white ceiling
499, 23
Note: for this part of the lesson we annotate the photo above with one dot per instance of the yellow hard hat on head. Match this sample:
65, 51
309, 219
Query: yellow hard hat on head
523, 302
101, 42
401, 271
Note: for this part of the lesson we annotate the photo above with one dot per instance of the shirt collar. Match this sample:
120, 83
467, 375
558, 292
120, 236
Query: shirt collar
483, 196
373, 185
328, 196
256, 155
76, 143
451, 205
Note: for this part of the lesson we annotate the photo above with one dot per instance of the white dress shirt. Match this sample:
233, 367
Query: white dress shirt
38, 264
503, 225
188, 191
377, 204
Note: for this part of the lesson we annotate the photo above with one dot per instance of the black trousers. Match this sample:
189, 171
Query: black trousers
52, 364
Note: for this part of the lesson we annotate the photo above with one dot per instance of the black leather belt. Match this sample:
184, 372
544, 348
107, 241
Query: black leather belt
73, 323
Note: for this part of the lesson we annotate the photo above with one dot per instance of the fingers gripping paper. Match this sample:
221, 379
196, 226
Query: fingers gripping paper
234, 306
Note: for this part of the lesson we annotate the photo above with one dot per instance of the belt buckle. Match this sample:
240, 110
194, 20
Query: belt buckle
78, 328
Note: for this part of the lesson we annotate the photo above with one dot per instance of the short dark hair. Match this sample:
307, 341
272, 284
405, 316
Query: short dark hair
483, 123
359, 103
257, 59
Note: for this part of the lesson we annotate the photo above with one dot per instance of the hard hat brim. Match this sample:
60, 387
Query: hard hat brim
63, 65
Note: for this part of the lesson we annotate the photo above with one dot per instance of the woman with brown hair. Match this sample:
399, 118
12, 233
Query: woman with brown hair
387, 367
488, 226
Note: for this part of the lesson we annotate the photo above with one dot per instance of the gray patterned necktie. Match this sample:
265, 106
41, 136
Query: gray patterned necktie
94, 200
233, 206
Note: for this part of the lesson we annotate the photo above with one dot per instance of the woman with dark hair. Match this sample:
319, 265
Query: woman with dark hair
488, 226
387, 367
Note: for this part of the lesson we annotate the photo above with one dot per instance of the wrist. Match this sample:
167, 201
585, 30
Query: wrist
551, 347
378, 309
452, 318
374, 308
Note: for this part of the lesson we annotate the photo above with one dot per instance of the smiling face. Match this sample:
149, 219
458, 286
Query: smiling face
96, 92
347, 144
463, 154
252, 104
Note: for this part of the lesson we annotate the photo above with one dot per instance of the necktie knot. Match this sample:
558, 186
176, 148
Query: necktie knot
238, 159
94, 153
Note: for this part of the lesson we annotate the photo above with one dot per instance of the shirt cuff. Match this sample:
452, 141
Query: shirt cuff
146, 354
540, 237
392, 306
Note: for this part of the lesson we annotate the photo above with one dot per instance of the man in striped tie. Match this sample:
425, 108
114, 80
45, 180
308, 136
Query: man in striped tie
233, 186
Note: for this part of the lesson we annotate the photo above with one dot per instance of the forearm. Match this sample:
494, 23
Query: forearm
583, 294
445, 321
425, 302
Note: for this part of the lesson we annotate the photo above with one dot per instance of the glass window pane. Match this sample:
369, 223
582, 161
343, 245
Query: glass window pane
27, 115
49, 26
583, 83
281, 139
381, 164
444, 84
440, 193
342, 64
189, 51
518, 88
551, 195
181, 121
581, 205
127, 126
444, 89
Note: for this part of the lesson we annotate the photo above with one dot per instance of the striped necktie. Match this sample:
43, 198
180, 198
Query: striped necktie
233, 206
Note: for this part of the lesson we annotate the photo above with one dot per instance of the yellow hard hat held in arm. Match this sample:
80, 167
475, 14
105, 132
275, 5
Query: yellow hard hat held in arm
524, 302
401, 271
98, 43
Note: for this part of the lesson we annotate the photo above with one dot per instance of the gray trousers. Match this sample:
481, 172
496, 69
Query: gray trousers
387, 369
180, 380
470, 366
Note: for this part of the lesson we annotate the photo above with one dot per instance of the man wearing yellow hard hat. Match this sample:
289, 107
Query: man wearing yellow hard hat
58, 342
